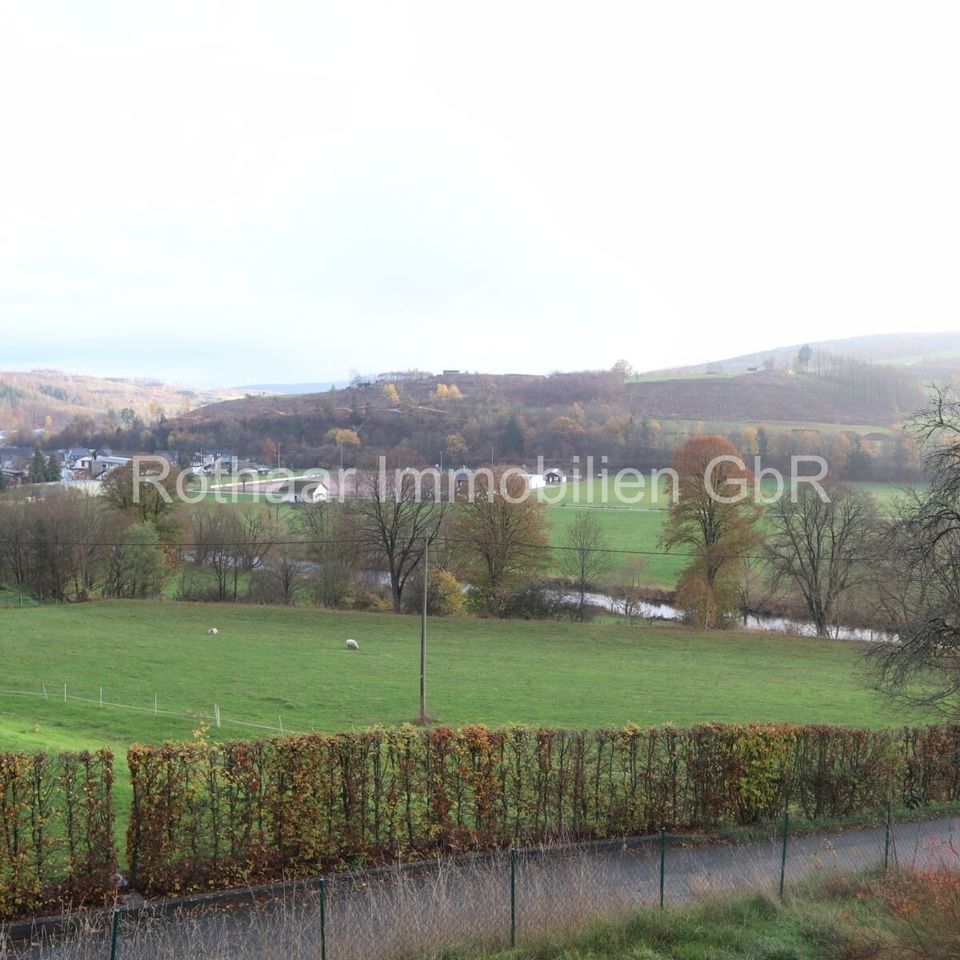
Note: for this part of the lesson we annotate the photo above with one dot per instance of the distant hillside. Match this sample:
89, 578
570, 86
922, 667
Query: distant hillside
848, 409
776, 395
927, 355
51, 399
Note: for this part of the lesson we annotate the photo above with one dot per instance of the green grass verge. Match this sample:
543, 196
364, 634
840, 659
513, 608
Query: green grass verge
831, 919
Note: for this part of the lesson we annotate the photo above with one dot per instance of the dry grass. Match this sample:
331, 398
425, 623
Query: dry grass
576, 901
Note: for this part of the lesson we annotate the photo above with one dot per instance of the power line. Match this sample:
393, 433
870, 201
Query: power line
370, 545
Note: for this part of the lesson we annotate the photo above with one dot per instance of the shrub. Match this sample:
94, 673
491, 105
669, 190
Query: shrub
445, 597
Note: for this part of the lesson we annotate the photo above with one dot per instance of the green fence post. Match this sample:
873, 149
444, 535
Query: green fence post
663, 860
115, 938
513, 897
886, 840
783, 853
323, 919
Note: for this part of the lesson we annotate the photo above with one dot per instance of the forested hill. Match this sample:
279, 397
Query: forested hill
51, 399
473, 418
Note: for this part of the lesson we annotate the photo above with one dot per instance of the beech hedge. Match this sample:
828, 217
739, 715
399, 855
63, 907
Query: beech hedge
212, 815
57, 846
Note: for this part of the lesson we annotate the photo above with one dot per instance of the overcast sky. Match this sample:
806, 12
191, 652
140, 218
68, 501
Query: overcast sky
227, 193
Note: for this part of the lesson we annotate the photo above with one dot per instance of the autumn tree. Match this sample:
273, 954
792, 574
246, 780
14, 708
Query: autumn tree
455, 446
149, 496
343, 437
820, 546
565, 432
502, 528
714, 519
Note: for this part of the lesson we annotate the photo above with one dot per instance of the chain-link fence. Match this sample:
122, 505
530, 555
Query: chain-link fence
494, 900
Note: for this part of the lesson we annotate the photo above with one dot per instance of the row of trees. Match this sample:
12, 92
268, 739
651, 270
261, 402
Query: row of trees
896, 570
69, 547
820, 544
131, 542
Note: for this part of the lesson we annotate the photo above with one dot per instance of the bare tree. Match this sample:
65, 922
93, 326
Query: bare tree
585, 558
253, 533
629, 594
15, 539
918, 579
396, 514
331, 549
210, 539
280, 578
820, 546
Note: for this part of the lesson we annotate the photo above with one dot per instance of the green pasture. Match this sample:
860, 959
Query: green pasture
273, 665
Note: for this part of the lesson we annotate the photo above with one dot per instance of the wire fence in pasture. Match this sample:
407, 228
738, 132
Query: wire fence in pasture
492, 901
215, 718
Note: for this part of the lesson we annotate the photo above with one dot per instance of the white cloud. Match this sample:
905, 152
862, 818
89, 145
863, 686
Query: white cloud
510, 186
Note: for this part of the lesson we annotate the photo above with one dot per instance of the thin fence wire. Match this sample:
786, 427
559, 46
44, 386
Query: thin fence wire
489, 901
216, 718
360, 542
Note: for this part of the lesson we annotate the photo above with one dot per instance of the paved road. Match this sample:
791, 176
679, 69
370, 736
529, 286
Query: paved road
384, 914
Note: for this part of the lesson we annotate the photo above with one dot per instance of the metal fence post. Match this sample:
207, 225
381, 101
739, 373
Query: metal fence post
663, 861
886, 839
513, 897
115, 937
323, 919
783, 853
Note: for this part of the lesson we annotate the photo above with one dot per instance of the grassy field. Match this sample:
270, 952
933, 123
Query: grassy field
634, 530
637, 526
270, 662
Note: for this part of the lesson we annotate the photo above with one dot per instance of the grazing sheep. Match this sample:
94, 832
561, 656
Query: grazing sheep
213, 631
353, 645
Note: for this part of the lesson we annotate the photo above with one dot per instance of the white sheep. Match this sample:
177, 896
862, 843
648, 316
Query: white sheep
353, 645
213, 631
